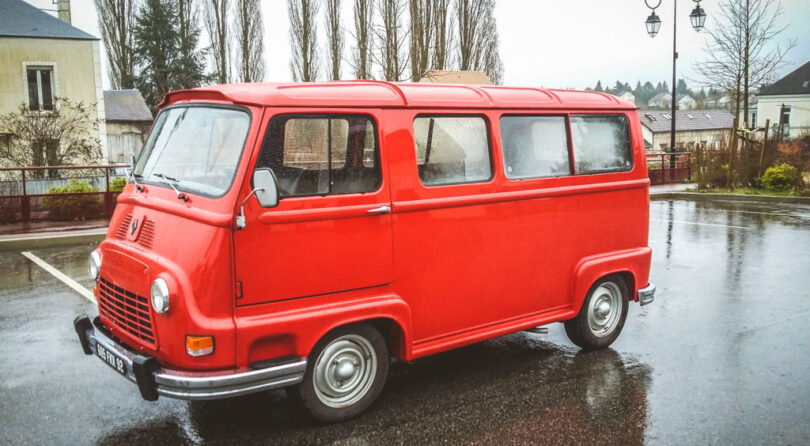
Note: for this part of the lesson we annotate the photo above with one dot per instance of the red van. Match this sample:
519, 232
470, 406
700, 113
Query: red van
301, 235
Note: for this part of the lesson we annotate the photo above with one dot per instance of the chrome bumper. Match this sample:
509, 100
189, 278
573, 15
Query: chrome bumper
646, 295
154, 380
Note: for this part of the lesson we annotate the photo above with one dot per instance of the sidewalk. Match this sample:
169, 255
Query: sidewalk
660, 189
23, 236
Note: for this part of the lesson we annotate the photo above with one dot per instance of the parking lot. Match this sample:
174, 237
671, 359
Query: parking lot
721, 357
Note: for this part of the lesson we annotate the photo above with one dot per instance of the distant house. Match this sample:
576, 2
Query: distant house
786, 104
42, 58
686, 102
628, 96
707, 127
456, 77
128, 123
661, 100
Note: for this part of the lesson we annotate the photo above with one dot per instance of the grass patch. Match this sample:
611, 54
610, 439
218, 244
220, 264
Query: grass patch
747, 191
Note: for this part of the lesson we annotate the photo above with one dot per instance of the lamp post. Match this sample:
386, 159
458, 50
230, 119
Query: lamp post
698, 19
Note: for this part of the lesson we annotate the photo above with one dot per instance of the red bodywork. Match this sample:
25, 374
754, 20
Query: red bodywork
448, 266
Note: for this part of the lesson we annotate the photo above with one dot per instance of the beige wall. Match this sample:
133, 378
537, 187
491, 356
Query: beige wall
710, 137
768, 107
76, 72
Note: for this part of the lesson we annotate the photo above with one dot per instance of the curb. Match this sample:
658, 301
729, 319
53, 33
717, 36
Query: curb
26, 242
730, 197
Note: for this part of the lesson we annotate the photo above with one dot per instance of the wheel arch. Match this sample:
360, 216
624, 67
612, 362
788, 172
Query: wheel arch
631, 265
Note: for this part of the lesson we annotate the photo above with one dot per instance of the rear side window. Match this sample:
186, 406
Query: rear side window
601, 143
321, 155
535, 146
452, 149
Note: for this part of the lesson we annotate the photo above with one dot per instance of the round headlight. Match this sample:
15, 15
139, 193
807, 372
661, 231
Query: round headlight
160, 296
94, 264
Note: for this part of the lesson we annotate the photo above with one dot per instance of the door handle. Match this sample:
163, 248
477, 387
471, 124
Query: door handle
380, 210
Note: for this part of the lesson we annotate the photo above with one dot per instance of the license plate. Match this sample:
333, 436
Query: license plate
111, 359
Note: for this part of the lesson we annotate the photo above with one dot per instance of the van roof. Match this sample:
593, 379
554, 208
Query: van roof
379, 94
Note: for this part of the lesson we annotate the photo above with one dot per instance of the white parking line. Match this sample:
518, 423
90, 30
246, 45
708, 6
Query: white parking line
61, 276
699, 224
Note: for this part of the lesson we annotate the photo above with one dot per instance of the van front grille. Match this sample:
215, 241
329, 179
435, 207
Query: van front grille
124, 227
127, 310
147, 235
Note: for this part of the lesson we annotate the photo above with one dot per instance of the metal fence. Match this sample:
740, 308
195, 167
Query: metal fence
669, 167
57, 192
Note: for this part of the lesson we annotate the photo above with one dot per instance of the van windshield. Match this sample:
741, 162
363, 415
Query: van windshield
197, 148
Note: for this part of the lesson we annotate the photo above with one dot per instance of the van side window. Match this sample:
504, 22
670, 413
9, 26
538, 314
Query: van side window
535, 146
452, 149
601, 143
322, 155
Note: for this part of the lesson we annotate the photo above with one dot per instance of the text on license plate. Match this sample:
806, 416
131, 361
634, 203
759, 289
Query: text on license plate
111, 359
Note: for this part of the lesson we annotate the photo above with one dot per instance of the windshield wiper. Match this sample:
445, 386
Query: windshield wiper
133, 176
170, 181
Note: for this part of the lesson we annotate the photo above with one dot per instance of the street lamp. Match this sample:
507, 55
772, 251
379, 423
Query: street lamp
698, 19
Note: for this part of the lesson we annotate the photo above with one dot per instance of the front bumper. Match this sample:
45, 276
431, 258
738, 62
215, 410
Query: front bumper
646, 295
154, 380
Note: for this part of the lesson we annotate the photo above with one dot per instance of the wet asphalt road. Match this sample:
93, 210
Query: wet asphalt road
721, 357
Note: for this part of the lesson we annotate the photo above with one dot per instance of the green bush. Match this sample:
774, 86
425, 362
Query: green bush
73, 206
117, 184
781, 178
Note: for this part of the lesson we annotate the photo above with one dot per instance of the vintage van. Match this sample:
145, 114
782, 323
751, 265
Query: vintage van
301, 235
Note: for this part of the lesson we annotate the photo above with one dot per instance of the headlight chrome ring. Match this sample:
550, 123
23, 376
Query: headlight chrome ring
94, 265
160, 296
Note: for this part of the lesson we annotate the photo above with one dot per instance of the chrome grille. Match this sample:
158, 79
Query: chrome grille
127, 310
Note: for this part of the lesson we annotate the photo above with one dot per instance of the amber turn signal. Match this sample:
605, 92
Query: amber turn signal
199, 345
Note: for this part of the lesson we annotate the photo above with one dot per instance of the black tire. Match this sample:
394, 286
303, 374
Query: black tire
319, 393
581, 329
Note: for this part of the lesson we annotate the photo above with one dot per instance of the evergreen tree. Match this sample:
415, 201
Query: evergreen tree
683, 88
156, 49
190, 64
598, 86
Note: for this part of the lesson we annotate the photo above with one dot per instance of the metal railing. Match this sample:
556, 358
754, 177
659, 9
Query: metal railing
662, 170
24, 195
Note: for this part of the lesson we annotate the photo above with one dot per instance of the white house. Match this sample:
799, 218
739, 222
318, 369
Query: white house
706, 127
686, 102
628, 96
661, 100
786, 104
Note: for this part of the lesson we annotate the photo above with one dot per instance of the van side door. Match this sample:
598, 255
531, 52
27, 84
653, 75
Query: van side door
331, 230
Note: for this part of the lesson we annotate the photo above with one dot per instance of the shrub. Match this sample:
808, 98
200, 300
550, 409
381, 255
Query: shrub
117, 184
781, 178
73, 206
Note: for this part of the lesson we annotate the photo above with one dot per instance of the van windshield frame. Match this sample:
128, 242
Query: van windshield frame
156, 171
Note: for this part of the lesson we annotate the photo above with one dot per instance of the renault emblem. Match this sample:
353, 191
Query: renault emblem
133, 227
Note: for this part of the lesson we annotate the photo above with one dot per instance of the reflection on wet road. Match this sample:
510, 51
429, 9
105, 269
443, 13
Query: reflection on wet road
720, 357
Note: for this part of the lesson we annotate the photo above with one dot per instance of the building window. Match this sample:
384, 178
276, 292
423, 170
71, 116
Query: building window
5, 143
40, 88
753, 119
784, 120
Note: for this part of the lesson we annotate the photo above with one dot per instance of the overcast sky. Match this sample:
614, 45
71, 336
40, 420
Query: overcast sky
550, 43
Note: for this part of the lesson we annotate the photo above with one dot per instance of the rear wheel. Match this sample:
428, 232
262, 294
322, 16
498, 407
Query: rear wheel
602, 316
346, 372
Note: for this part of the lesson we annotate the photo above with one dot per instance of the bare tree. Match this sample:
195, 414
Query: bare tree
442, 35
391, 36
216, 22
189, 71
116, 19
421, 36
250, 41
478, 43
739, 52
303, 34
334, 38
364, 38
63, 136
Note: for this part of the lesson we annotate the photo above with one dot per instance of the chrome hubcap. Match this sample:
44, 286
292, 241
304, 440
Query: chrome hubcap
344, 371
604, 309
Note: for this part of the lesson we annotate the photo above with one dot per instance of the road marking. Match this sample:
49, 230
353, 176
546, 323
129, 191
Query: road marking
699, 224
61, 276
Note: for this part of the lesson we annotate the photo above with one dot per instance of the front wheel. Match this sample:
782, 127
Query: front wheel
602, 316
346, 372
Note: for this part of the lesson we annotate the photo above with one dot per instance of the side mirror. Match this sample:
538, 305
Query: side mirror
265, 187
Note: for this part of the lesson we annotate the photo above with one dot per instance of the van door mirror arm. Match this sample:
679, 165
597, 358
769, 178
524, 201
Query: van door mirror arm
240, 219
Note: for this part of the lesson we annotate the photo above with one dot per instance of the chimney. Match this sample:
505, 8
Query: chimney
63, 8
